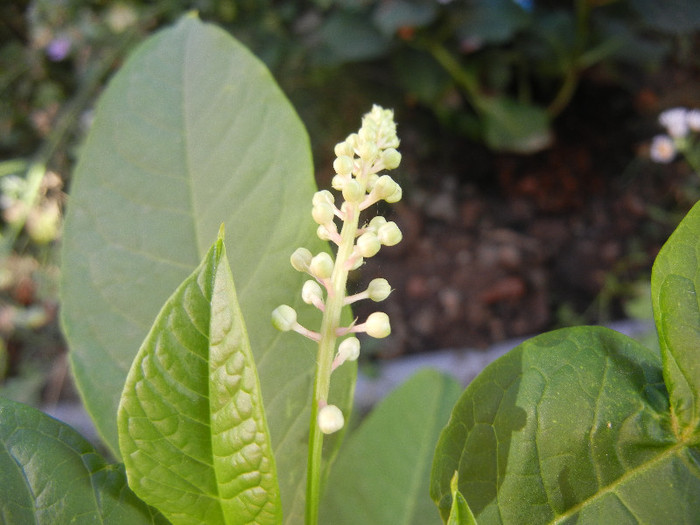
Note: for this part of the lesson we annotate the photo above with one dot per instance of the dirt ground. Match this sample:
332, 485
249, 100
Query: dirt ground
498, 246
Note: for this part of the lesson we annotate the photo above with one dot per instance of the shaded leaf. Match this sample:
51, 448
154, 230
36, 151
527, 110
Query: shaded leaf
381, 474
513, 126
50, 474
569, 427
192, 132
192, 427
675, 282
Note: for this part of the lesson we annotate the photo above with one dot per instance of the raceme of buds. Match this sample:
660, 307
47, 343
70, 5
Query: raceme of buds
359, 166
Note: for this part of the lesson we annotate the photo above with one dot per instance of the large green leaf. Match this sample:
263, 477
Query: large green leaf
192, 427
675, 282
192, 132
49, 474
381, 474
570, 427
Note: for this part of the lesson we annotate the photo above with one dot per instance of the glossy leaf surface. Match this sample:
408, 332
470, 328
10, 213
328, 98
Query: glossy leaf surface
382, 471
190, 133
570, 427
50, 474
674, 289
192, 428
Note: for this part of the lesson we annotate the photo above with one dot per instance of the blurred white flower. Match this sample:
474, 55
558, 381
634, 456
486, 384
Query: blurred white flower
675, 122
692, 118
662, 149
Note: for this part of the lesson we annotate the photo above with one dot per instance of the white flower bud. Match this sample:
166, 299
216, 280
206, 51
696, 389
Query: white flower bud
338, 182
353, 191
351, 140
372, 179
323, 196
377, 325
662, 149
376, 223
300, 259
368, 244
396, 196
321, 266
358, 262
323, 213
343, 165
693, 119
368, 151
384, 187
378, 289
389, 234
284, 317
311, 292
391, 158
330, 419
343, 149
349, 349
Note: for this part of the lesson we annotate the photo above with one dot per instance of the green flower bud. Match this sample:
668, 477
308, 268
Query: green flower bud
378, 325
353, 191
372, 179
368, 244
300, 259
321, 266
311, 292
389, 234
349, 349
343, 165
378, 289
330, 419
323, 196
391, 158
322, 213
358, 262
284, 318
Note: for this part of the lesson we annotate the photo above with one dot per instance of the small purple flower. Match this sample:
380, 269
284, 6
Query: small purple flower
662, 149
58, 48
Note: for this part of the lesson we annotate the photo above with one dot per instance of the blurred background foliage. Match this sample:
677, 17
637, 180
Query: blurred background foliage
495, 72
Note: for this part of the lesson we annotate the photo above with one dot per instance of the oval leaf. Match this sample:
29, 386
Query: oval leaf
675, 282
191, 421
381, 474
50, 474
571, 426
192, 132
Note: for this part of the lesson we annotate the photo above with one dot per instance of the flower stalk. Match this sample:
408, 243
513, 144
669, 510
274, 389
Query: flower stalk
359, 161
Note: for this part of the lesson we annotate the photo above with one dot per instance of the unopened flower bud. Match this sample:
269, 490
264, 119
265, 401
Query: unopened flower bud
330, 419
352, 140
311, 292
343, 149
391, 158
338, 182
321, 266
378, 289
300, 259
357, 263
322, 213
396, 196
376, 223
322, 196
368, 151
389, 234
384, 187
378, 325
349, 349
343, 165
368, 244
353, 191
284, 317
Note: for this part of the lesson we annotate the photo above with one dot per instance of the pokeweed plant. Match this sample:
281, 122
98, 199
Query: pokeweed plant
209, 407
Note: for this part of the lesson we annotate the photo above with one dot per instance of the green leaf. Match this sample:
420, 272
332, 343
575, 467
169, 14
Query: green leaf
570, 427
192, 427
675, 282
190, 133
513, 126
50, 474
389, 17
460, 513
381, 474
